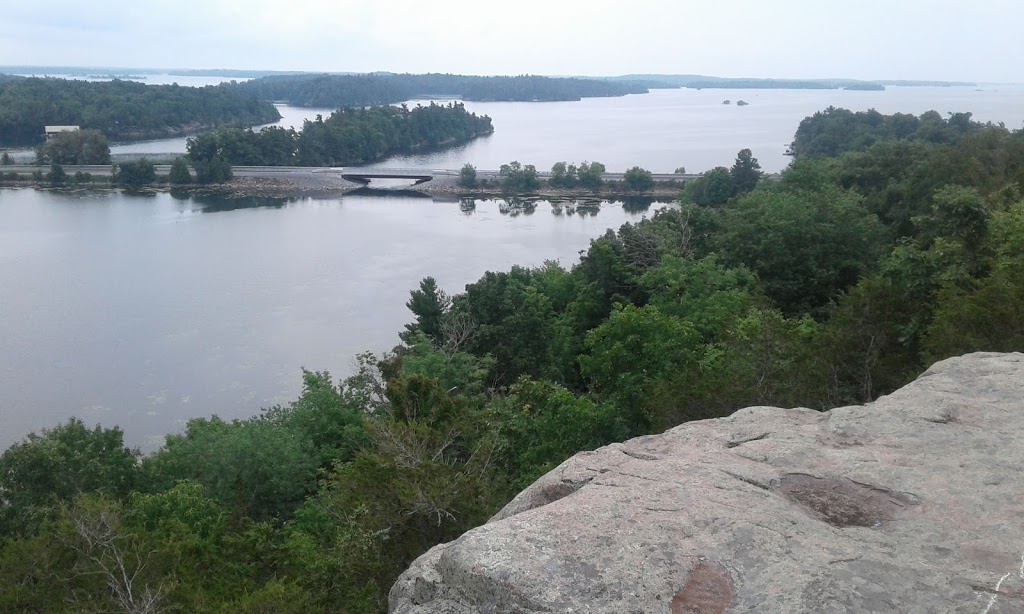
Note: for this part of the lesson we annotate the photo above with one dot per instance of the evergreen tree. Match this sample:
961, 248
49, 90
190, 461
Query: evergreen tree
746, 172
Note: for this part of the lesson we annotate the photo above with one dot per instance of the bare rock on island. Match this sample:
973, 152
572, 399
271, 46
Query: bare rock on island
913, 503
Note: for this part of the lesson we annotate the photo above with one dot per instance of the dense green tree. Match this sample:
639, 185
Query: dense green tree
988, 316
714, 188
958, 213
252, 466
868, 341
637, 179
518, 178
983, 314
44, 470
213, 170
324, 417
6, 159
76, 147
767, 359
136, 174
513, 322
57, 175
180, 174
590, 174
805, 246
424, 479
746, 172
631, 351
467, 176
563, 176
888, 176
704, 293
429, 304
452, 368
544, 423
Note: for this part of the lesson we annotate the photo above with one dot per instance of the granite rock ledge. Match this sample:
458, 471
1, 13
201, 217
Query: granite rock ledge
913, 503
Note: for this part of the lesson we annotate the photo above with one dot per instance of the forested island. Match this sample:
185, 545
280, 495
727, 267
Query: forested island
121, 110
835, 131
861, 265
333, 91
346, 137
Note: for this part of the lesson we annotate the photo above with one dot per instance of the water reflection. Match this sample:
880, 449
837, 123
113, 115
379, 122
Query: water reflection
143, 193
637, 204
218, 203
515, 206
387, 193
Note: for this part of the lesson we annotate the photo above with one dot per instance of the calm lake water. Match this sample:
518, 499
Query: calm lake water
144, 311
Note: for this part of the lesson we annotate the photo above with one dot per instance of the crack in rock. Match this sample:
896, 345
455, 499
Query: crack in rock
995, 593
747, 480
639, 455
739, 441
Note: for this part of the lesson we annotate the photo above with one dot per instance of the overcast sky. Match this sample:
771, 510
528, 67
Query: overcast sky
974, 40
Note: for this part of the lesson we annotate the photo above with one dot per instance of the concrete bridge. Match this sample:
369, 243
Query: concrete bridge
364, 177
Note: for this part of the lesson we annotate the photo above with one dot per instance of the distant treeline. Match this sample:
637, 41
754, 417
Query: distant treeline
142, 72
335, 91
121, 109
835, 131
348, 136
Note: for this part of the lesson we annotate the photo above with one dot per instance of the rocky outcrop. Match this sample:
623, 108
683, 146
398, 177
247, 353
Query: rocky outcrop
914, 503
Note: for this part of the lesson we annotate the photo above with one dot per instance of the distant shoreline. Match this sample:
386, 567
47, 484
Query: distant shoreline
671, 80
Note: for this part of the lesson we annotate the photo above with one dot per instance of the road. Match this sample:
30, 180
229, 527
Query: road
284, 171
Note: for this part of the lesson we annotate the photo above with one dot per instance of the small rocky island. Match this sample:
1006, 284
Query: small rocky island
909, 504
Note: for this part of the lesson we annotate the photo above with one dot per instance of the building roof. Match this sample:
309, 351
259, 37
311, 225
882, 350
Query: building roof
61, 128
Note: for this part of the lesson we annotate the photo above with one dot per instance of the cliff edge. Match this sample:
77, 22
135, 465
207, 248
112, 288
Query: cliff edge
913, 503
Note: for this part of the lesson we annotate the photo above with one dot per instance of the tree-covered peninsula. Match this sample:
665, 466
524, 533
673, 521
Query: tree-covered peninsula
835, 284
836, 131
121, 110
334, 91
346, 137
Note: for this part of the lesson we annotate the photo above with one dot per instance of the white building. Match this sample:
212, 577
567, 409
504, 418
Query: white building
52, 131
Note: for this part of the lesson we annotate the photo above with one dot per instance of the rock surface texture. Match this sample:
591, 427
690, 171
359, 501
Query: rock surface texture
914, 503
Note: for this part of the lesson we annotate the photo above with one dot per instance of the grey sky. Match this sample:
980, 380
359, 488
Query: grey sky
871, 39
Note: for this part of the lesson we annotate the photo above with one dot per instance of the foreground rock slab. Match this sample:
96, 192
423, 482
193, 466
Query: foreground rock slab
913, 503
